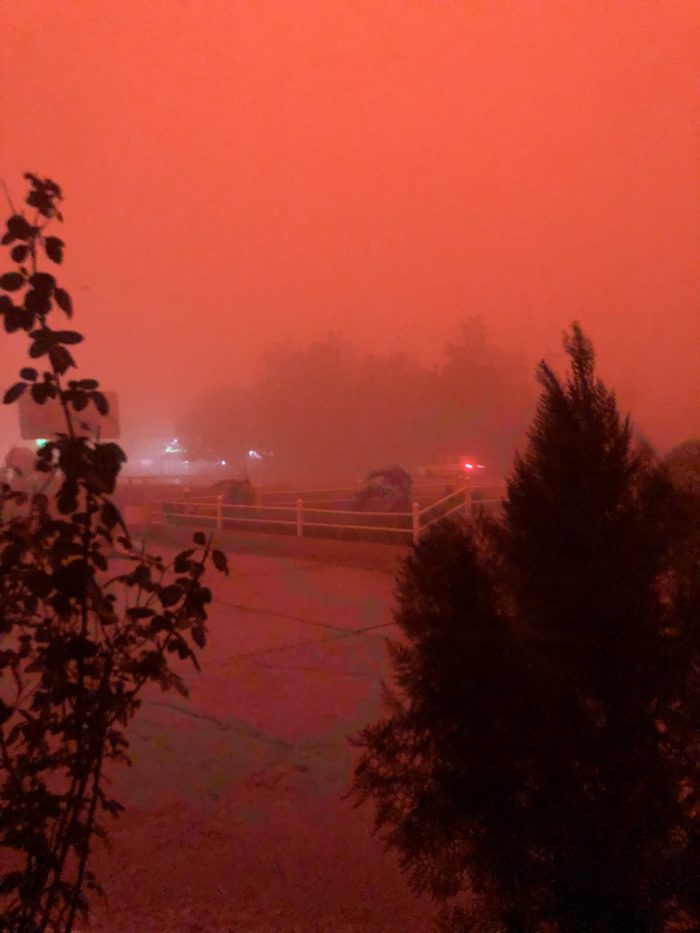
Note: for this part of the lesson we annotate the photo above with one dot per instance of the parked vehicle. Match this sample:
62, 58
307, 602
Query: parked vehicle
234, 491
455, 468
385, 490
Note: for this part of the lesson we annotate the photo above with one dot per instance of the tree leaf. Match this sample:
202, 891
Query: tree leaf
110, 805
43, 282
68, 336
198, 538
38, 348
220, 561
101, 403
11, 281
28, 373
182, 560
170, 595
41, 391
140, 612
111, 515
64, 301
19, 253
26, 318
67, 499
19, 227
54, 248
14, 320
61, 358
99, 560
14, 392
37, 301
43, 195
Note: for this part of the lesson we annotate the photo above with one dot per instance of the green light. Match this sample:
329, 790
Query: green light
41, 442
173, 447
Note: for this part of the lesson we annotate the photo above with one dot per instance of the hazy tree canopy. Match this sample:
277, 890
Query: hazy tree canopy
484, 392
222, 425
538, 763
307, 405
331, 412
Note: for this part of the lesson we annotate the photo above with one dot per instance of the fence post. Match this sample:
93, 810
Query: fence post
219, 512
415, 521
300, 520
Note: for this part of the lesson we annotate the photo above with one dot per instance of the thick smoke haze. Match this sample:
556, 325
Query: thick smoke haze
241, 174
328, 412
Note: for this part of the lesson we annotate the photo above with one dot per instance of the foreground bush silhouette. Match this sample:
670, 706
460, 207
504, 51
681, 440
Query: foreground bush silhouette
538, 766
77, 642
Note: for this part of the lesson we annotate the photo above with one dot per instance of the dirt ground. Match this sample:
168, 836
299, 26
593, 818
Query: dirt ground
235, 815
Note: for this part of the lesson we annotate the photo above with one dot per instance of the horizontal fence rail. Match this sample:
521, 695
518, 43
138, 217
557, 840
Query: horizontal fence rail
311, 517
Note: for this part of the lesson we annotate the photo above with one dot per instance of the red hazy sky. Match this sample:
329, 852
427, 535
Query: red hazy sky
239, 172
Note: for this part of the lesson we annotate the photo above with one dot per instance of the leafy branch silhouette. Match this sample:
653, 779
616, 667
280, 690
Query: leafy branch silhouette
79, 637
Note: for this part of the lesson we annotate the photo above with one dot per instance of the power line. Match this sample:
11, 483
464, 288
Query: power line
346, 633
290, 618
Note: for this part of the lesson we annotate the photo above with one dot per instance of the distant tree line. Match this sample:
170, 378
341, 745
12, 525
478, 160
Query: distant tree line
330, 411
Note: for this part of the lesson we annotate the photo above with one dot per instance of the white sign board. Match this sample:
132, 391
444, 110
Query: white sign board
47, 420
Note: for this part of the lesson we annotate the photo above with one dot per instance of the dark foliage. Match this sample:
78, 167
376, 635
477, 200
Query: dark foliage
683, 464
78, 640
538, 767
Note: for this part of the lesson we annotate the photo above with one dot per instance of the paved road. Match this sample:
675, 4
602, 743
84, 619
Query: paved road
235, 818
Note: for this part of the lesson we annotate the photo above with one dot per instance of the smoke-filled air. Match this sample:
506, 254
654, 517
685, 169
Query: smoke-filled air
349, 466
331, 192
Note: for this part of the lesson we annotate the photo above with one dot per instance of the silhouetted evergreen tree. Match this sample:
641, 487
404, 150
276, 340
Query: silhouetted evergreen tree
538, 766
683, 464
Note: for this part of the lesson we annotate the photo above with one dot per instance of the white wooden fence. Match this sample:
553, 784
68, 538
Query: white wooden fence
309, 516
